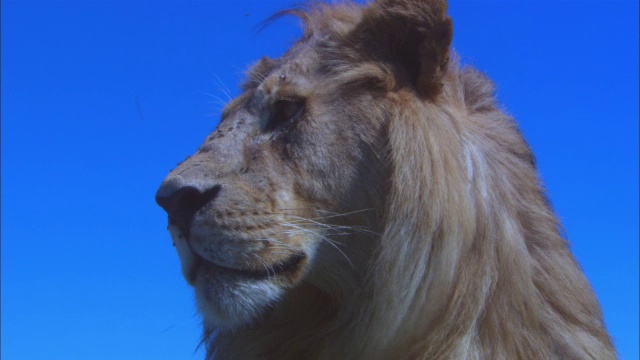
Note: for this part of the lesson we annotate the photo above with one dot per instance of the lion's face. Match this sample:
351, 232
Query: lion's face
255, 210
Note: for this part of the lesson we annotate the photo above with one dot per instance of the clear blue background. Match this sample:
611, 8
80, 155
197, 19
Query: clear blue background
101, 99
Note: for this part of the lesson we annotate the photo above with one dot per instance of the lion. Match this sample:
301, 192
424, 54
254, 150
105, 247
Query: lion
366, 198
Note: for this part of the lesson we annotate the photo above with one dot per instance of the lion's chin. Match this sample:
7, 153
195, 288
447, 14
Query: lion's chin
229, 298
228, 301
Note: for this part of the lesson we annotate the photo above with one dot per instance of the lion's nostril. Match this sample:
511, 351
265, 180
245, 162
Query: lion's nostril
182, 201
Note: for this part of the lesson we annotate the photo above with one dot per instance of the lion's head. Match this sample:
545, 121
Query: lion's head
365, 198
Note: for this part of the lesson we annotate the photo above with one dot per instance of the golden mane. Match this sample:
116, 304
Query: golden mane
463, 256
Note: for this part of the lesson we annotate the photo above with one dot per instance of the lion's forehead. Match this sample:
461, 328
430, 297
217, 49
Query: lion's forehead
293, 76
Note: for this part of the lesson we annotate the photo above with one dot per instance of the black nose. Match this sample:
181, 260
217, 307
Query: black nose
181, 200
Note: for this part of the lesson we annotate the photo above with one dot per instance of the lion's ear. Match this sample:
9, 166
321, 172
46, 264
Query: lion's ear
413, 36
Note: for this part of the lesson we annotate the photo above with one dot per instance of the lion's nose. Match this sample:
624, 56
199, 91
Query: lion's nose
181, 199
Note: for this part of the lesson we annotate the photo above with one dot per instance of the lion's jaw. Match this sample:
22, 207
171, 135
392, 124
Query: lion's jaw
241, 265
228, 297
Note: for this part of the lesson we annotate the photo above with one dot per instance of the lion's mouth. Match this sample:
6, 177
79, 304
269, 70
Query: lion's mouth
285, 267
193, 263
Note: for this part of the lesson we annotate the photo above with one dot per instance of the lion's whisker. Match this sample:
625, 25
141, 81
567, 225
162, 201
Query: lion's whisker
302, 220
268, 268
331, 242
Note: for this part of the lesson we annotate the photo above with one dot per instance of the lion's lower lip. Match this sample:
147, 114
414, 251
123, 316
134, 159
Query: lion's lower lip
285, 267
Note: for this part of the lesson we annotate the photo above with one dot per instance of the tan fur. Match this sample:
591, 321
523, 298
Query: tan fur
414, 200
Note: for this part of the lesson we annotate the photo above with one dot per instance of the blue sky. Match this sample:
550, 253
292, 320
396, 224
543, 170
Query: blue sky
101, 99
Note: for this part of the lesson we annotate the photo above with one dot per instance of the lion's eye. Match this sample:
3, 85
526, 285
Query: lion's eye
284, 113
